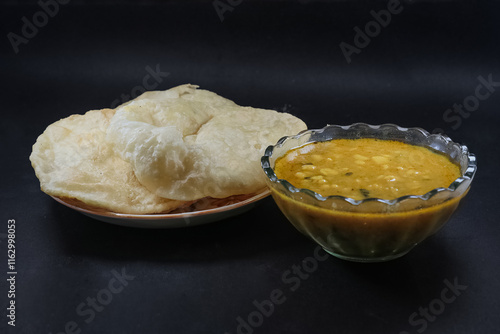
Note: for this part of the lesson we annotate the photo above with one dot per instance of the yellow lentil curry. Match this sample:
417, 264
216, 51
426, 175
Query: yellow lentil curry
366, 168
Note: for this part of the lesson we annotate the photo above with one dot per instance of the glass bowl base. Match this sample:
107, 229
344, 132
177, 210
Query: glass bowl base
367, 259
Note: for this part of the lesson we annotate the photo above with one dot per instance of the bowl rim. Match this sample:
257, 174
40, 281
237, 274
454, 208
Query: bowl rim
468, 175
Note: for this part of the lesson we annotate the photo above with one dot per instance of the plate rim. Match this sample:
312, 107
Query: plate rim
167, 216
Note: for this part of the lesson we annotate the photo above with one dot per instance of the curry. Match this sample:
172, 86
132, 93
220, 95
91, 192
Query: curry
366, 168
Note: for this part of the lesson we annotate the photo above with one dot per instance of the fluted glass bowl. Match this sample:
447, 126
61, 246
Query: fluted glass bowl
373, 229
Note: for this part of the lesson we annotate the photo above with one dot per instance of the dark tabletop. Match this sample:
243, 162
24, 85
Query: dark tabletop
253, 273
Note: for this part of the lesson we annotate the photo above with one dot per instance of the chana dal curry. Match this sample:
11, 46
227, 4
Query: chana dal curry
366, 168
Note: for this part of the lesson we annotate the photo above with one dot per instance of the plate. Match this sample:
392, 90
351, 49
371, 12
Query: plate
169, 220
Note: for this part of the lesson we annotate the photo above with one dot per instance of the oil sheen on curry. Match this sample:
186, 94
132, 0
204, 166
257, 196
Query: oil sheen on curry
366, 168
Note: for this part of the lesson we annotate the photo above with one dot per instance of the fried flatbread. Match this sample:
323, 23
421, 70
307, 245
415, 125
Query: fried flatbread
179, 149
72, 159
186, 144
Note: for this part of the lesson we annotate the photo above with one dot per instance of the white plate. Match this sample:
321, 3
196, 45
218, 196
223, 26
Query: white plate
174, 220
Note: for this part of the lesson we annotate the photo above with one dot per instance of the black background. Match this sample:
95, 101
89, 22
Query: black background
281, 55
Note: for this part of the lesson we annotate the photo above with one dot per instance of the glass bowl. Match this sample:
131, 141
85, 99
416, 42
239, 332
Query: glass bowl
372, 229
